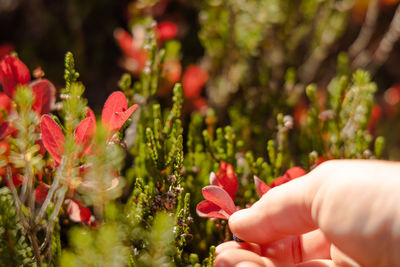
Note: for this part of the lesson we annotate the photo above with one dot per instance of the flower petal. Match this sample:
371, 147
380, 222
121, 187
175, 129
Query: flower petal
40, 194
5, 102
77, 212
295, 172
213, 179
219, 197
45, 96
6, 129
136, 57
52, 137
227, 179
193, 81
13, 72
279, 181
208, 209
85, 131
166, 30
119, 118
261, 187
90, 114
116, 112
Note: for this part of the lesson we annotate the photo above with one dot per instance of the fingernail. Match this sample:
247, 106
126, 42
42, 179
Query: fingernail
237, 239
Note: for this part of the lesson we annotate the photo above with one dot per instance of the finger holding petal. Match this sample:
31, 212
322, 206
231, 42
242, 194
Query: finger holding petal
219, 197
207, 209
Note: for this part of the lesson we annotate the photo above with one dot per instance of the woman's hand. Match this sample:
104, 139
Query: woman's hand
344, 212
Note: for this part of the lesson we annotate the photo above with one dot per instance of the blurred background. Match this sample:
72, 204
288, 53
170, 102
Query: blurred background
246, 63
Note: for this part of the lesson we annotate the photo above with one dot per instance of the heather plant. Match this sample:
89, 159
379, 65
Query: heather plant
153, 181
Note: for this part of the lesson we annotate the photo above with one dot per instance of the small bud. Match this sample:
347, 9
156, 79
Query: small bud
288, 121
65, 96
379, 146
38, 73
367, 153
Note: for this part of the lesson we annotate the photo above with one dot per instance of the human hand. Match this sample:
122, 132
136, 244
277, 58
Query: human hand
343, 213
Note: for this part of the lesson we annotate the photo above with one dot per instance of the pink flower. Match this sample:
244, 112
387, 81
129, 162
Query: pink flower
5, 49
115, 114
78, 212
220, 195
166, 30
289, 175
13, 72
135, 57
40, 194
193, 81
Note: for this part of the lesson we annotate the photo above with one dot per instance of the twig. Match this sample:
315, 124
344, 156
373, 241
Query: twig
386, 44
53, 189
31, 194
36, 250
17, 200
50, 224
28, 229
366, 31
22, 194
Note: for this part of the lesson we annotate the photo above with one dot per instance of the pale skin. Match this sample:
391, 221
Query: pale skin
343, 213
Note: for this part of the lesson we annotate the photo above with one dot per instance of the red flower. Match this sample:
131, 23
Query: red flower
13, 72
136, 57
114, 115
220, 195
290, 174
40, 194
116, 112
45, 96
78, 212
193, 81
166, 30
5, 49
6, 129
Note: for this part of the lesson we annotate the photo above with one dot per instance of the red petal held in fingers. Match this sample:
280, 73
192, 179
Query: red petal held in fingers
219, 197
13, 72
45, 96
295, 172
261, 187
52, 137
116, 112
279, 181
227, 179
207, 209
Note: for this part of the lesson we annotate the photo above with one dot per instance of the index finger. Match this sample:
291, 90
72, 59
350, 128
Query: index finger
285, 210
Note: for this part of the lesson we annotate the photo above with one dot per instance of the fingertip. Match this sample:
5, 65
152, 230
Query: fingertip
284, 211
233, 257
248, 264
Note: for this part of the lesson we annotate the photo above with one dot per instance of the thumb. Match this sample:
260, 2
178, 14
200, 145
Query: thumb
284, 211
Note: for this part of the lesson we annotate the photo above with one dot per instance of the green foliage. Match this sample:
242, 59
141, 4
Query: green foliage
340, 130
25, 153
260, 56
14, 249
102, 247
